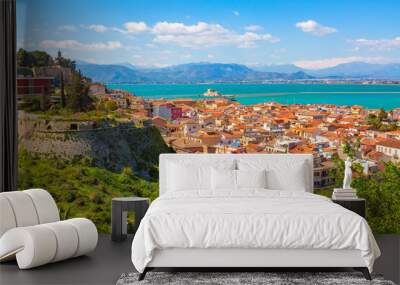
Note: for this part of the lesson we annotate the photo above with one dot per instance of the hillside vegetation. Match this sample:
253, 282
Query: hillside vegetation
381, 190
80, 189
83, 170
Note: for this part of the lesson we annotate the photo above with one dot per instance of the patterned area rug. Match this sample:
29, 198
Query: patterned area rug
243, 278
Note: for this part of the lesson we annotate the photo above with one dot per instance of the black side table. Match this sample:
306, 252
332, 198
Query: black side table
120, 209
356, 205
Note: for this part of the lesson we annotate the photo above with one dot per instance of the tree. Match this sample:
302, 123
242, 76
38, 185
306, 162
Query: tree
111, 106
78, 99
73, 99
33, 59
382, 192
349, 150
376, 121
40, 58
382, 115
62, 87
373, 120
22, 58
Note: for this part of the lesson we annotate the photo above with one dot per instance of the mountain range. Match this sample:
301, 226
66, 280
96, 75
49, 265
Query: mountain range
205, 72
182, 74
352, 70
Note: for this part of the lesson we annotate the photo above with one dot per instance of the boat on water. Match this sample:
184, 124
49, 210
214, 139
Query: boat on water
214, 93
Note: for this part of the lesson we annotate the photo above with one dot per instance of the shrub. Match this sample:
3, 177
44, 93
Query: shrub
81, 190
382, 193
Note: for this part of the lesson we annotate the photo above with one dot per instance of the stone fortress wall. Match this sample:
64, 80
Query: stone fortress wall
108, 144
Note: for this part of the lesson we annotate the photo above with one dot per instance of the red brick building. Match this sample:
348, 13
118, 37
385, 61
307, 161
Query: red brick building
34, 86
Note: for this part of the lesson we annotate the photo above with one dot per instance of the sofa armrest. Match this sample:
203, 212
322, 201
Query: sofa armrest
40, 244
32, 246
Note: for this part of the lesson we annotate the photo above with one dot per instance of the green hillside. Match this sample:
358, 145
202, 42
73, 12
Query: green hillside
80, 189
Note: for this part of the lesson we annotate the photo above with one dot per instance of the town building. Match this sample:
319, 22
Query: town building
389, 147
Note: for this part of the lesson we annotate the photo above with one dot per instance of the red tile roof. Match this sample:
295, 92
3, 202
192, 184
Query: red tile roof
390, 143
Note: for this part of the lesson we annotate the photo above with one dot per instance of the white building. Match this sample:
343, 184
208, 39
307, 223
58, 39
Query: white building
390, 148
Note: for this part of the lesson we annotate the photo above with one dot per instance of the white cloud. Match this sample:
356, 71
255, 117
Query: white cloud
210, 56
180, 28
76, 45
253, 28
67, 28
96, 28
331, 62
193, 36
205, 35
236, 13
381, 44
134, 27
315, 28
128, 28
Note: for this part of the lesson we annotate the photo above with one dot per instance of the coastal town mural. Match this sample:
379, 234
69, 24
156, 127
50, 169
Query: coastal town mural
90, 131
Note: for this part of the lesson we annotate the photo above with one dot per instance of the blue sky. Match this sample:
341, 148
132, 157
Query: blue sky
311, 34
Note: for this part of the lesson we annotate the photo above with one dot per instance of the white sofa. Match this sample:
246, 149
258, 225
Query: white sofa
31, 231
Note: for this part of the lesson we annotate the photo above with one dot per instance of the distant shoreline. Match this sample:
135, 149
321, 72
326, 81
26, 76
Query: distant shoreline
251, 83
369, 96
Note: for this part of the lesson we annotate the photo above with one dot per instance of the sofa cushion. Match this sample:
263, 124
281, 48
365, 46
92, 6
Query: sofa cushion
7, 220
23, 208
26, 208
46, 207
67, 240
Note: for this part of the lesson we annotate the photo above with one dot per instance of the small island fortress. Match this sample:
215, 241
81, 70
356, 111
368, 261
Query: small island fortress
212, 93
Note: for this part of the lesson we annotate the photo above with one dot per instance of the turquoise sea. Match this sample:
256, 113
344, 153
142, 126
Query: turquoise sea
369, 96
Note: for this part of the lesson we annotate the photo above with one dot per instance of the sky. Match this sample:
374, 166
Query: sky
312, 34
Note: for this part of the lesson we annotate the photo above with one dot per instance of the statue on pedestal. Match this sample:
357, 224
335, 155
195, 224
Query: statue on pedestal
347, 174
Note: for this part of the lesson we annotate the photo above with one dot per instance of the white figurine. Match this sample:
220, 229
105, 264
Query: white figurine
347, 174
366, 168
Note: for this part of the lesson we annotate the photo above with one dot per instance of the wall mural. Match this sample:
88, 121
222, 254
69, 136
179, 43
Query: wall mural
101, 95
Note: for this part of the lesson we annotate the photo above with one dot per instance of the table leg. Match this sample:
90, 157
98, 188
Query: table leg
116, 222
124, 223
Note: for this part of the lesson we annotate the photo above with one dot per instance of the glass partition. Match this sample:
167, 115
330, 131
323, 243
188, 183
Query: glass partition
104, 87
